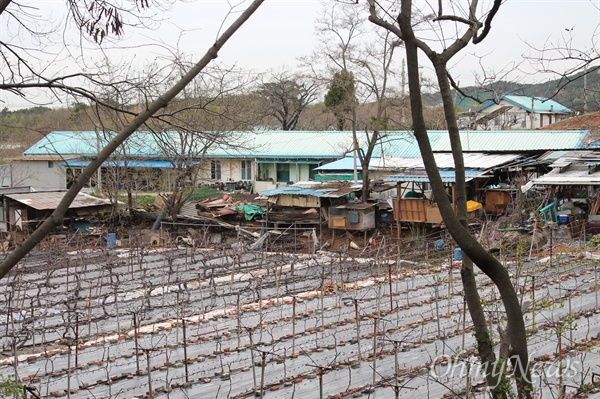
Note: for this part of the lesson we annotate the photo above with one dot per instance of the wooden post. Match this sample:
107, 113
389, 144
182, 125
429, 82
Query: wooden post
357, 327
396, 387
239, 326
135, 339
398, 217
374, 350
464, 321
263, 363
294, 354
454, 197
149, 368
76, 339
560, 365
185, 356
390, 283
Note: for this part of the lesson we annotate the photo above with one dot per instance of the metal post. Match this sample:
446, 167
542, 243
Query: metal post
357, 327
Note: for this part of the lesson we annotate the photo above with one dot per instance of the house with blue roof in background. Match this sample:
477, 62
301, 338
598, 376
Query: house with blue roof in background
516, 112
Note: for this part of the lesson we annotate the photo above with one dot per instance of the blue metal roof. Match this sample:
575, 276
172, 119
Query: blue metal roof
540, 104
516, 141
343, 164
420, 175
306, 145
122, 163
291, 190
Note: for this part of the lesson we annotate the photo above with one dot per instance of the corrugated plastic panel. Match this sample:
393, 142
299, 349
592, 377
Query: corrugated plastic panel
420, 175
343, 164
443, 161
293, 191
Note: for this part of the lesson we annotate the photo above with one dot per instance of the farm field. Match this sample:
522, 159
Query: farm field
197, 323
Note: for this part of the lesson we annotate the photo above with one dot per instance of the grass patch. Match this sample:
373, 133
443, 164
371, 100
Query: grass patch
139, 200
201, 193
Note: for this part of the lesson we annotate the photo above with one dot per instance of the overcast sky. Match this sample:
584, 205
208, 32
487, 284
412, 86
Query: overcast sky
283, 30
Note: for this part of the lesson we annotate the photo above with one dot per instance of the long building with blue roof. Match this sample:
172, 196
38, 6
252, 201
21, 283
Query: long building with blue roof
266, 159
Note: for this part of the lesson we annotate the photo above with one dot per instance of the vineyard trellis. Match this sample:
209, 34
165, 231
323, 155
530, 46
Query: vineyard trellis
192, 322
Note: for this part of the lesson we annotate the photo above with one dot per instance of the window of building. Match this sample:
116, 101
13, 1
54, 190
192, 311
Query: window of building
283, 172
246, 167
50, 164
215, 169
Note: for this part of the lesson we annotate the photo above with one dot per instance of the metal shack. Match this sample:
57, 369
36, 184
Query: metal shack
352, 216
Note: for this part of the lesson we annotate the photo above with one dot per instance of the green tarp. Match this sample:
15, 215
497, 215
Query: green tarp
250, 210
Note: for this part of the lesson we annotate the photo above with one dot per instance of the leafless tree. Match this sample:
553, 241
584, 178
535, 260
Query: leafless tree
140, 118
209, 115
371, 61
286, 96
455, 27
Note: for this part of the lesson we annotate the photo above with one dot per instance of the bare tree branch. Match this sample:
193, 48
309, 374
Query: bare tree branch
57, 216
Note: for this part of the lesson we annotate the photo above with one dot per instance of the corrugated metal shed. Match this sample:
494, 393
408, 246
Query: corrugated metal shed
50, 200
578, 176
343, 164
420, 175
291, 144
15, 190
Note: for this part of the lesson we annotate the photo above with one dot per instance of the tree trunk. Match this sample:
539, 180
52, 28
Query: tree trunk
56, 218
473, 250
495, 379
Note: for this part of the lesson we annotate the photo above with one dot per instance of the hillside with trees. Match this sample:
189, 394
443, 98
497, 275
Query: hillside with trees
21, 128
567, 90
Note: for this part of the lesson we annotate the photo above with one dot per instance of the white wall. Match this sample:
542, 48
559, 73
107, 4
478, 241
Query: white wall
39, 175
230, 170
5, 176
516, 118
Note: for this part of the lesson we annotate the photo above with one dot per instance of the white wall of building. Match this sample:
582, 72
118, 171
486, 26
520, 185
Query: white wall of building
41, 175
516, 118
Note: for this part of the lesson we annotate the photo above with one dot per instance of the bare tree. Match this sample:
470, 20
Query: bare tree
286, 96
210, 115
404, 24
153, 107
367, 74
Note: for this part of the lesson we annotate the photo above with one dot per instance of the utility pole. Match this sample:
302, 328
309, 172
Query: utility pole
585, 102
98, 148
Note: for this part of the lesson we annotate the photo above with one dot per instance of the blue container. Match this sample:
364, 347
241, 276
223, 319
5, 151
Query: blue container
457, 254
563, 219
111, 240
384, 218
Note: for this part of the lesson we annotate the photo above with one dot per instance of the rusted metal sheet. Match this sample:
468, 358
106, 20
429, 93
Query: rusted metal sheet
50, 200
